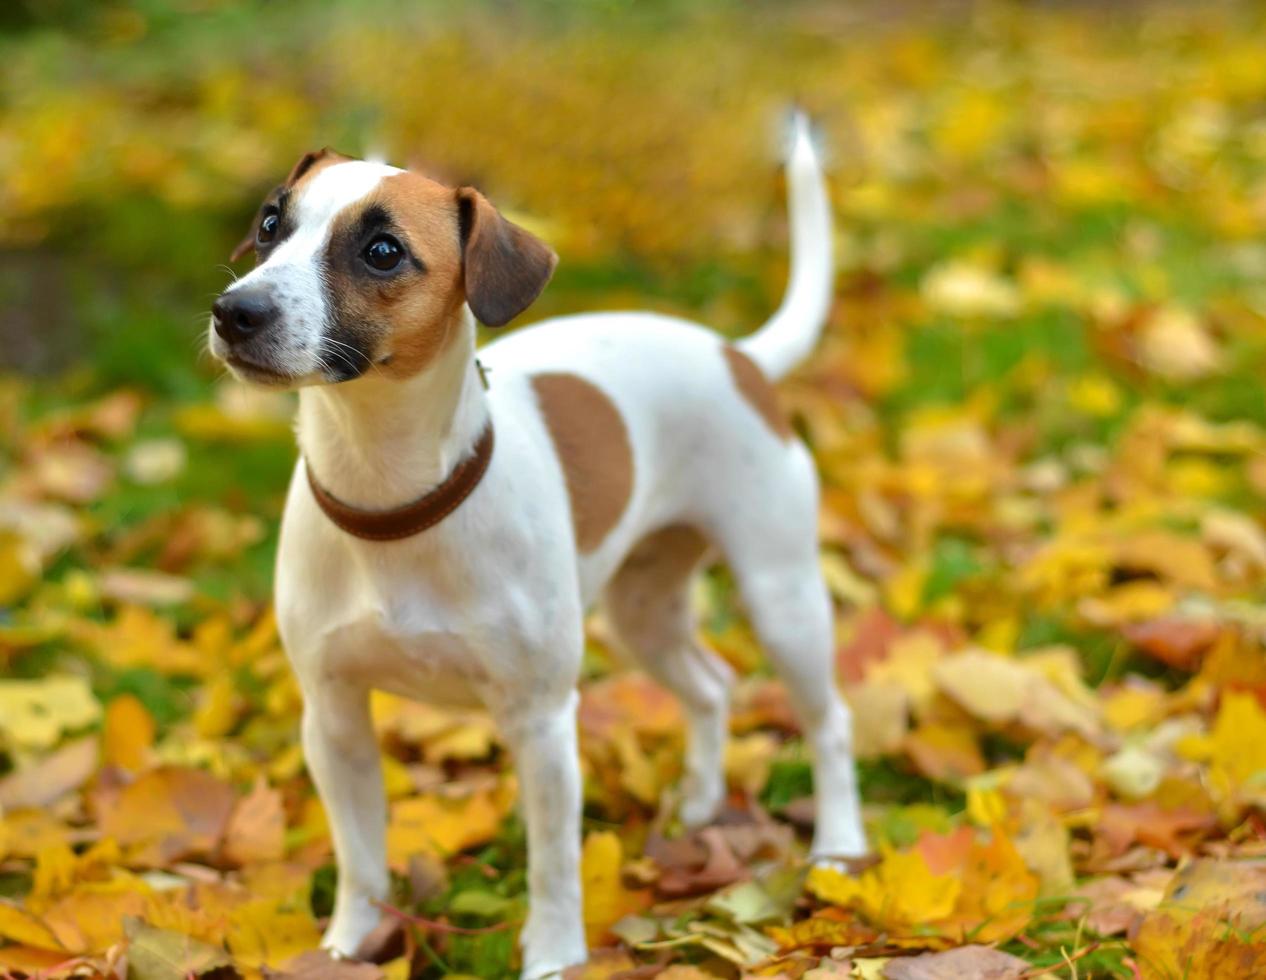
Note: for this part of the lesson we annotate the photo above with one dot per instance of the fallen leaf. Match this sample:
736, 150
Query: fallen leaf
35, 714
606, 899
964, 963
129, 733
48, 779
168, 814
256, 829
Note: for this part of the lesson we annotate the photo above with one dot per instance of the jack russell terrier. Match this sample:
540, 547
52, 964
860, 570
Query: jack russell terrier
444, 535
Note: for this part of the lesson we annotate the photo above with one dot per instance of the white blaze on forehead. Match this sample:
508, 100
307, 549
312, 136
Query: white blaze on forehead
333, 189
293, 269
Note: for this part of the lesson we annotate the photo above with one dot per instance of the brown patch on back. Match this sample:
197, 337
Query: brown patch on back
592, 444
757, 391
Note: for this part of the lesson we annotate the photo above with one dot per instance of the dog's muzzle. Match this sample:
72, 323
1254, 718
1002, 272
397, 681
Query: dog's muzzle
243, 314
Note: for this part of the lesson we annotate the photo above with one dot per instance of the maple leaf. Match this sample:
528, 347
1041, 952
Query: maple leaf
899, 893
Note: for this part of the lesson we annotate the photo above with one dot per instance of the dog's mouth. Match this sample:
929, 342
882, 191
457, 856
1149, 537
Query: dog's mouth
255, 372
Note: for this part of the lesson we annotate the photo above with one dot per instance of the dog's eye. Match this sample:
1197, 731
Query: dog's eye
383, 253
268, 226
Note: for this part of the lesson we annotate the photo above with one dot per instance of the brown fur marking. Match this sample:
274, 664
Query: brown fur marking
407, 320
757, 391
505, 267
593, 447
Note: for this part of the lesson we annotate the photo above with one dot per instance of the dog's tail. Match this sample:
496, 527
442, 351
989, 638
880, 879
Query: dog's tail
790, 334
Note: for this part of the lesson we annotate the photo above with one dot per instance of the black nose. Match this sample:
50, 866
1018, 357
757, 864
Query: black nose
242, 313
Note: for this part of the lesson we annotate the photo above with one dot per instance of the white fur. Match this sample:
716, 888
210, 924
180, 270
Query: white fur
293, 270
789, 335
487, 606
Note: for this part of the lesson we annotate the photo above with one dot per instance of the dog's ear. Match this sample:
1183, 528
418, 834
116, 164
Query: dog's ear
247, 244
309, 159
504, 268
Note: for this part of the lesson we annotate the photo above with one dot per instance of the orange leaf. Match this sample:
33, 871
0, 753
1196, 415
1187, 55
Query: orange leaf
129, 733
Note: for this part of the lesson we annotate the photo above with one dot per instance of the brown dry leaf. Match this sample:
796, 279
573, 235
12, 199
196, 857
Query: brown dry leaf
157, 954
1238, 888
964, 963
318, 964
256, 830
71, 471
1178, 642
167, 815
1175, 945
52, 777
1107, 906
1174, 831
1004, 691
946, 753
702, 862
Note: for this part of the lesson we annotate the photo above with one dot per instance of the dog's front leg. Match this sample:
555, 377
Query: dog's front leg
544, 745
342, 756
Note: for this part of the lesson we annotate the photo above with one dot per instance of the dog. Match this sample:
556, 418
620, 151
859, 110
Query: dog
451, 518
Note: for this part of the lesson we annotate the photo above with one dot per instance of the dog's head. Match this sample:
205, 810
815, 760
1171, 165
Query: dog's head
362, 265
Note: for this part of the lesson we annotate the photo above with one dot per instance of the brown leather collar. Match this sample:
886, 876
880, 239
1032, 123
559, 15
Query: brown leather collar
425, 512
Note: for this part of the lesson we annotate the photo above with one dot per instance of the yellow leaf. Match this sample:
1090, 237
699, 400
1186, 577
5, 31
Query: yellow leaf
20, 926
19, 567
1237, 743
899, 893
263, 932
34, 714
217, 707
439, 825
129, 733
986, 805
606, 900
904, 590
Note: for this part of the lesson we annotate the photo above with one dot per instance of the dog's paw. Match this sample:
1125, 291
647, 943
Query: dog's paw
849, 858
346, 933
701, 800
554, 970
552, 959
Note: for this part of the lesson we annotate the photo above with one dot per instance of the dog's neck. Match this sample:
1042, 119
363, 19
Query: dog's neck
378, 442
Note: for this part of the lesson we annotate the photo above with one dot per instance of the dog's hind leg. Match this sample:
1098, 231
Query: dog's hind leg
773, 553
648, 603
342, 756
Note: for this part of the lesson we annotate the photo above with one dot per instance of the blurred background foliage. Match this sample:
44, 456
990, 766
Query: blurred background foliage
1128, 146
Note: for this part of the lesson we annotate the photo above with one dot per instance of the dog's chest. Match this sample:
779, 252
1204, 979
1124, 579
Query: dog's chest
392, 626
431, 662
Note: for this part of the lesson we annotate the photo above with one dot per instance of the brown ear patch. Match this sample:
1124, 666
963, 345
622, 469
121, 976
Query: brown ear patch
310, 163
593, 447
757, 391
504, 267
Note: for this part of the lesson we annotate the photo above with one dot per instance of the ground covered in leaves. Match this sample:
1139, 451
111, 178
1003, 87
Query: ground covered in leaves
1038, 414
